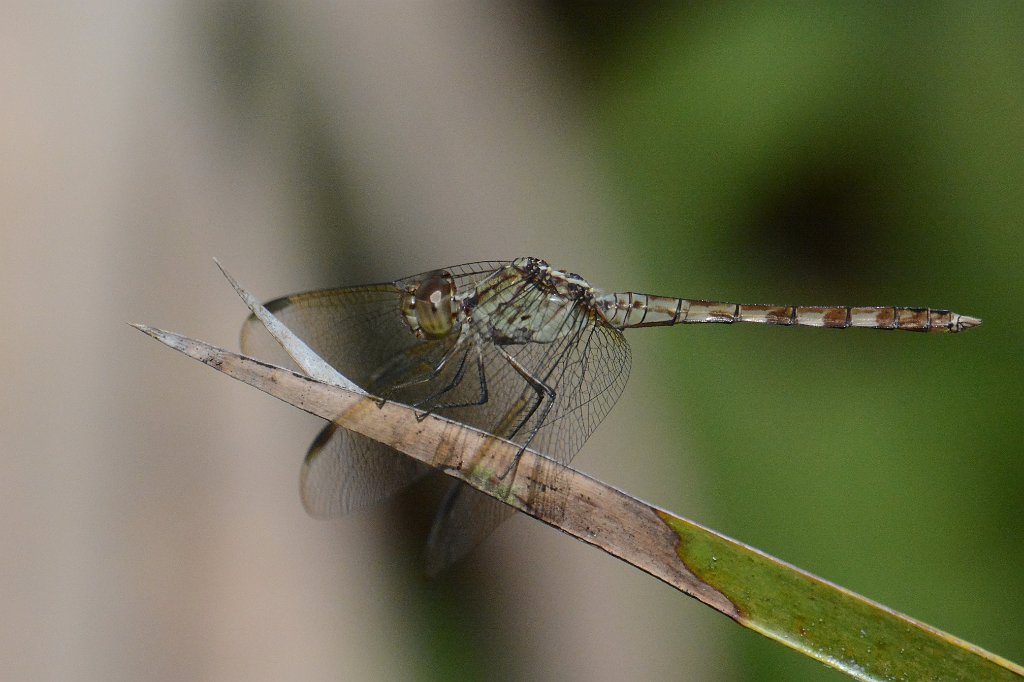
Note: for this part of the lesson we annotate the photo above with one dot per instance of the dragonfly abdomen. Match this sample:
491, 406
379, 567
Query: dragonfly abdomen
627, 310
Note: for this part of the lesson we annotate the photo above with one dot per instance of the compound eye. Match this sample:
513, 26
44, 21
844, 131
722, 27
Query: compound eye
434, 304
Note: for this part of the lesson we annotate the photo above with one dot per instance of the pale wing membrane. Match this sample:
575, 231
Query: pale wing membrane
465, 518
587, 367
360, 332
346, 472
354, 330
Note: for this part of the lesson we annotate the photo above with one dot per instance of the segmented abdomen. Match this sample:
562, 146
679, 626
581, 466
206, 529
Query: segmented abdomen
625, 310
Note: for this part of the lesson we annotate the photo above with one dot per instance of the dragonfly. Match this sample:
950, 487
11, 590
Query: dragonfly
516, 348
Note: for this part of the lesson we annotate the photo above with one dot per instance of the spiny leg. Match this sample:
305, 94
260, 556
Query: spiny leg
482, 396
542, 390
426, 378
460, 372
454, 383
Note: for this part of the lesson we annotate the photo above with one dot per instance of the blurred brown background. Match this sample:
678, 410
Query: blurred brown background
863, 154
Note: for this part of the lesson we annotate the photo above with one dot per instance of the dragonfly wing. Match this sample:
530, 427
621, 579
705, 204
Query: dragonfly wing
361, 332
465, 518
587, 368
357, 330
353, 329
345, 472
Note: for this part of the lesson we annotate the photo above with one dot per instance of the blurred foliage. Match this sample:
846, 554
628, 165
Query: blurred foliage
858, 153
864, 154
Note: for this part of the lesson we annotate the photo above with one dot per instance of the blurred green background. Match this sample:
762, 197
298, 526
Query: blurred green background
829, 153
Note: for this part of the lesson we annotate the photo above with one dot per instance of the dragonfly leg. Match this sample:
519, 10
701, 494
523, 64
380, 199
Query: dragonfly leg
481, 398
430, 400
460, 374
426, 378
543, 391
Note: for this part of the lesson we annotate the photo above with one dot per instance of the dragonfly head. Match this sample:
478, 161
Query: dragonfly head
429, 305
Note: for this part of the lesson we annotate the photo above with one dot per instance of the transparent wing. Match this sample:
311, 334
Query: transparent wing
359, 331
465, 518
586, 367
345, 472
355, 329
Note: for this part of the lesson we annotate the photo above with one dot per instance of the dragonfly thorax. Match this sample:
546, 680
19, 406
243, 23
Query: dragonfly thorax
561, 285
530, 302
